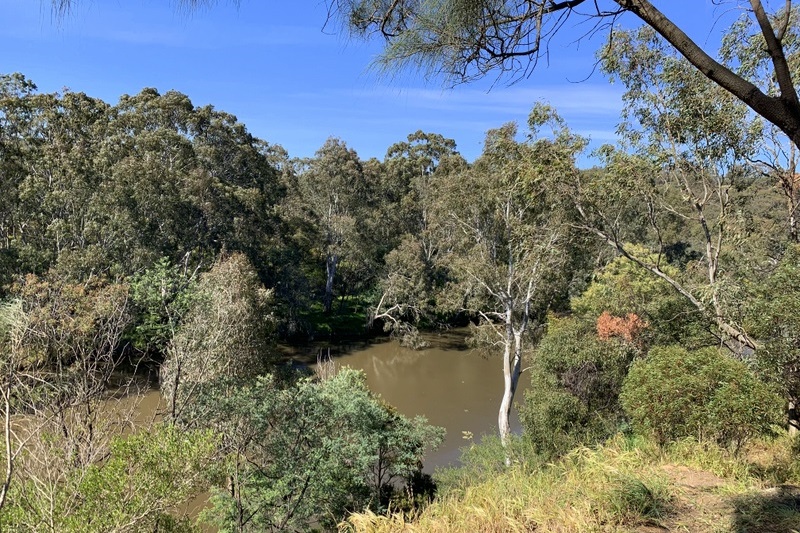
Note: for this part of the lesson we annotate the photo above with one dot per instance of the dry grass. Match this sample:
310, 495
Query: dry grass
613, 488
625, 485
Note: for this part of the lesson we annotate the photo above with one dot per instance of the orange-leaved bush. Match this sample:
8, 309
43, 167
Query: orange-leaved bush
628, 328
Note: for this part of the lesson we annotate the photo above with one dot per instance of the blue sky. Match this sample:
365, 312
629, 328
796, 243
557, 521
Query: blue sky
294, 83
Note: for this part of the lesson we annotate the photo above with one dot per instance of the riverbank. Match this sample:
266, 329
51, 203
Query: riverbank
626, 485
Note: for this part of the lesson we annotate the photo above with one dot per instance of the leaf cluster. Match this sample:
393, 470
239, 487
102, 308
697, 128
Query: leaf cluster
675, 393
314, 451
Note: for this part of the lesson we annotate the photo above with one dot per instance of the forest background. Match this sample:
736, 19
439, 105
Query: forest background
654, 294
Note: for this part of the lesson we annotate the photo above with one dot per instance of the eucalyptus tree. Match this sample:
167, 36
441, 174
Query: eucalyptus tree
238, 169
92, 189
503, 260
15, 121
187, 179
690, 140
411, 279
509, 254
409, 168
775, 156
331, 199
148, 159
52, 141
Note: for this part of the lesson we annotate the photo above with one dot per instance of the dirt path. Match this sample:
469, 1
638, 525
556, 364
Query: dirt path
705, 503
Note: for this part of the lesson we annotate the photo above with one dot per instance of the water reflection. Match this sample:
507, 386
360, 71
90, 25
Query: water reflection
451, 385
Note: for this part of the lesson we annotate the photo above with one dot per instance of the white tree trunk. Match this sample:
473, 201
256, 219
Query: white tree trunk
512, 368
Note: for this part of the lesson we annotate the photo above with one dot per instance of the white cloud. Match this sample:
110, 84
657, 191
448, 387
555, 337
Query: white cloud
572, 99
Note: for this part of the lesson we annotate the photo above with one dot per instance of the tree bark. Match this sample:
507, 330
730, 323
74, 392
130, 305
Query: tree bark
331, 263
782, 111
512, 369
793, 417
9, 467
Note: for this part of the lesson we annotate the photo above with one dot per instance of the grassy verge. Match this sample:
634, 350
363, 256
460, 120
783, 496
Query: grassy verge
625, 485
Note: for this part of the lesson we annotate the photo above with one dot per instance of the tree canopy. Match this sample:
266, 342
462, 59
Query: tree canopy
469, 39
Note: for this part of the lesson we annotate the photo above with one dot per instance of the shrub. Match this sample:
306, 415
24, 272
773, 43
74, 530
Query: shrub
309, 453
576, 379
676, 393
227, 335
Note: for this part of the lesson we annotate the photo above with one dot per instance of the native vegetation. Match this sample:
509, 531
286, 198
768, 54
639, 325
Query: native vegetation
653, 298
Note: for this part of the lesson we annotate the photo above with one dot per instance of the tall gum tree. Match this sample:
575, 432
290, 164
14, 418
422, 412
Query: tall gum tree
690, 141
776, 157
508, 255
411, 277
331, 192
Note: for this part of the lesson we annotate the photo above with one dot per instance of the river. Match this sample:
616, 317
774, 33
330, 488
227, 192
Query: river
451, 385
448, 383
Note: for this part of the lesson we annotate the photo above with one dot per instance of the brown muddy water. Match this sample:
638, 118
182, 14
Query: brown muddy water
451, 385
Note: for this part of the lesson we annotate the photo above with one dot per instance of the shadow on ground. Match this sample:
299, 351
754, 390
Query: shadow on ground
775, 510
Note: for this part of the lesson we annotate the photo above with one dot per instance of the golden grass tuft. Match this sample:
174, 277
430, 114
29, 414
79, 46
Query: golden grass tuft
627, 484
611, 488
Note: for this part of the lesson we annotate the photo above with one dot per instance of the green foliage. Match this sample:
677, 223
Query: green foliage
311, 452
675, 393
409, 289
330, 200
622, 287
664, 97
103, 189
162, 295
774, 317
575, 384
410, 169
227, 335
145, 476
349, 319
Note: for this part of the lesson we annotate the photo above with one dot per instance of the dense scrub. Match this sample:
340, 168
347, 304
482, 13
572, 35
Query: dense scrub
675, 393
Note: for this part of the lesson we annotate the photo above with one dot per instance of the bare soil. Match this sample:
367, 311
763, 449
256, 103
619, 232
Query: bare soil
705, 503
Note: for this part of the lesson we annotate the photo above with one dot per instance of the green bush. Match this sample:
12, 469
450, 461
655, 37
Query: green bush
676, 393
575, 382
309, 453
